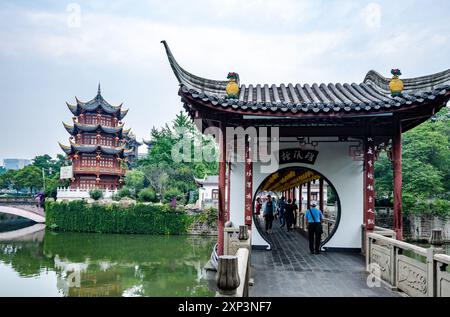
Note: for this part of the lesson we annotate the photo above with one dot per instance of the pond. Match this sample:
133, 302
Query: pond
47, 263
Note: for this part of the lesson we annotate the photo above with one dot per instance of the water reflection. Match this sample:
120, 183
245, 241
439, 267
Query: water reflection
80, 264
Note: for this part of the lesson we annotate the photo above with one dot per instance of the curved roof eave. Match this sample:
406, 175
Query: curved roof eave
372, 95
192, 81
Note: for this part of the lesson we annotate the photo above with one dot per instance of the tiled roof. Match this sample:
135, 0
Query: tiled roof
92, 128
213, 179
97, 102
90, 148
371, 95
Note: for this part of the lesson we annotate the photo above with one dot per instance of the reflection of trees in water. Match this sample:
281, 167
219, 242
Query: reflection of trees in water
26, 258
115, 265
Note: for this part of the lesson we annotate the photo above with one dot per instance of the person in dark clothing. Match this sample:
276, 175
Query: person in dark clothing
268, 213
289, 208
314, 217
282, 211
294, 204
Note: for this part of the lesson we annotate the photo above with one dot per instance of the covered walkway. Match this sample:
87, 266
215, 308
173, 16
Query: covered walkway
289, 270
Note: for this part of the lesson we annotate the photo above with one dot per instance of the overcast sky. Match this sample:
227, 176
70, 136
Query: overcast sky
49, 54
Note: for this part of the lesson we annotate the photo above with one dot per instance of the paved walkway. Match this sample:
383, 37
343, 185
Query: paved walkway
289, 270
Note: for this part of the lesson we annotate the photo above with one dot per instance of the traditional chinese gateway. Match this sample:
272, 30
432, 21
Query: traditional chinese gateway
327, 134
100, 147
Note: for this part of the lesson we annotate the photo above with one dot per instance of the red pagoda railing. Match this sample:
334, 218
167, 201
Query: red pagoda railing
102, 170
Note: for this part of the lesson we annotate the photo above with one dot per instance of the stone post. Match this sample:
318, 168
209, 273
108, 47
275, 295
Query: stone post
436, 238
243, 232
227, 275
436, 242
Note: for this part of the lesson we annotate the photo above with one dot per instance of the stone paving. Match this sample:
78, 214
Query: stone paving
290, 270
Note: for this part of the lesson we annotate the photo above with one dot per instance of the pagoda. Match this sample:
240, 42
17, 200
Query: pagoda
98, 145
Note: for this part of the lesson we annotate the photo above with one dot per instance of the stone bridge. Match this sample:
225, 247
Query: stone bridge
23, 207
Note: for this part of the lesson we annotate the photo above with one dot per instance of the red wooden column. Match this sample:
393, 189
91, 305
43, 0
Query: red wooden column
308, 195
397, 162
248, 184
369, 189
228, 190
222, 208
300, 198
321, 194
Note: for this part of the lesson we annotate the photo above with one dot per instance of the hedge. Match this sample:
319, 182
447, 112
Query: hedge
78, 216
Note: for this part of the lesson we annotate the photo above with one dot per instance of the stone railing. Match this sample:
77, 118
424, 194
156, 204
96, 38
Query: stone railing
17, 200
233, 272
417, 271
67, 193
379, 230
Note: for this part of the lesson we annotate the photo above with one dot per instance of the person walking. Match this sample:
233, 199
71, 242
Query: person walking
268, 213
258, 207
314, 217
289, 215
282, 211
294, 204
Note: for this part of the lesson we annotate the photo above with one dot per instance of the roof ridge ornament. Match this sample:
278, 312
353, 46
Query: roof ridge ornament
396, 84
99, 91
232, 87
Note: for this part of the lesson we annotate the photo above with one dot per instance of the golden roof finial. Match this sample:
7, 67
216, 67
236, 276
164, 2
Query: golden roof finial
396, 84
232, 87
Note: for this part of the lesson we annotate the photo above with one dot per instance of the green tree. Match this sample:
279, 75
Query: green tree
426, 167
135, 179
163, 173
28, 177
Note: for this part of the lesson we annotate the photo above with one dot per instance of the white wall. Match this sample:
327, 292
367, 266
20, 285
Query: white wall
334, 162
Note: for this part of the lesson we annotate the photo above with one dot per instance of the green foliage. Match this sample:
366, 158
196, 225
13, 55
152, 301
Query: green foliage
135, 179
426, 168
78, 216
171, 193
125, 192
208, 217
96, 193
147, 195
169, 177
31, 177
28, 177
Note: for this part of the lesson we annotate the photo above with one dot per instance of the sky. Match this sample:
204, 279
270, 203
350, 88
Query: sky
52, 51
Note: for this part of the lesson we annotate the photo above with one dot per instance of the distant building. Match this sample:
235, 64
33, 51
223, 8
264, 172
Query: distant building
149, 144
15, 164
208, 192
132, 146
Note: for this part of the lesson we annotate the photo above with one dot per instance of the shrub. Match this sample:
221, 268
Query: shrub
116, 197
79, 216
147, 195
125, 192
172, 192
96, 194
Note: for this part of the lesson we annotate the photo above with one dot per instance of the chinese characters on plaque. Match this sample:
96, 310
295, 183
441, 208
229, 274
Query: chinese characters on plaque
297, 156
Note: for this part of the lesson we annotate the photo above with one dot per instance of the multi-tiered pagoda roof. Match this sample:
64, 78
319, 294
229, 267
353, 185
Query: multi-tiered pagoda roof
99, 144
97, 103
